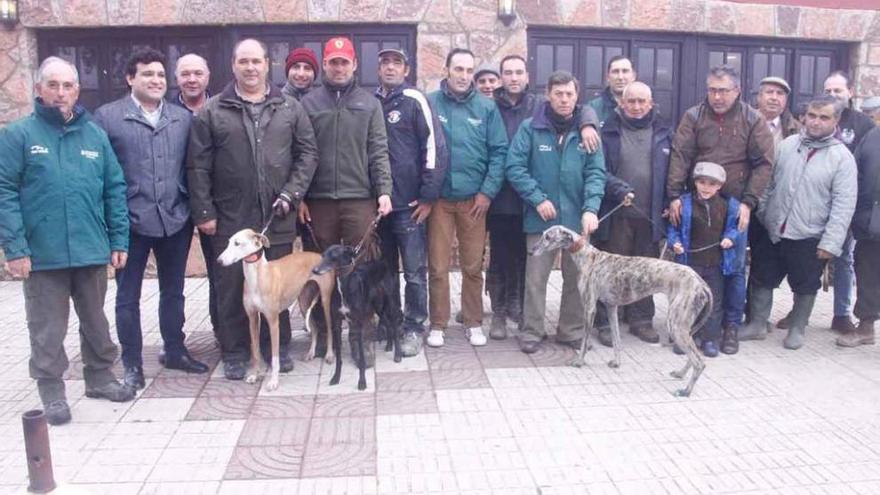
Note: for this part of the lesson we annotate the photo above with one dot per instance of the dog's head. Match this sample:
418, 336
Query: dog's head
556, 237
336, 257
244, 245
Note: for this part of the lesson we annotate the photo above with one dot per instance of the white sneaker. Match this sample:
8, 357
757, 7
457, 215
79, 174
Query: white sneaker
435, 338
475, 335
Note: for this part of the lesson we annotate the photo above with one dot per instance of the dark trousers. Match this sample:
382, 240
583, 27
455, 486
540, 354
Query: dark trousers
170, 253
711, 330
47, 295
629, 237
232, 329
788, 258
210, 266
506, 275
867, 265
405, 242
735, 286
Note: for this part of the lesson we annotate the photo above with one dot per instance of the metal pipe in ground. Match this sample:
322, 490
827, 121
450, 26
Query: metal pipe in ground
39, 455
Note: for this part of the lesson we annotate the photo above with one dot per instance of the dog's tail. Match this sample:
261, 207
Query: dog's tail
703, 294
309, 296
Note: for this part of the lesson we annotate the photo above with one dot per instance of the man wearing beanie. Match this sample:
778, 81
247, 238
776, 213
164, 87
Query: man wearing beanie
301, 68
353, 180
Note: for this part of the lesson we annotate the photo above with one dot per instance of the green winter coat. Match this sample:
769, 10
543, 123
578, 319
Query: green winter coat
62, 192
539, 168
476, 140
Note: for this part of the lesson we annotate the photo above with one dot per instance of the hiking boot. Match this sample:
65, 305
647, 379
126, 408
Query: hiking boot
112, 391
411, 344
800, 316
729, 341
863, 335
475, 336
57, 412
760, 305
435, 338
134, 377
646, 333
604, 337
529, 346
498, 331
842, 324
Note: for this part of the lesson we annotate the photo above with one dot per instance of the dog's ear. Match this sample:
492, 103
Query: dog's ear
263, 240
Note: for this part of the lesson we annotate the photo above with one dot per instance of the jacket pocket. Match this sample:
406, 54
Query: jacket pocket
132, 190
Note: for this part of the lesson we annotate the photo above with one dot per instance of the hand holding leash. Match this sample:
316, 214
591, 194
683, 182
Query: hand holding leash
628, 199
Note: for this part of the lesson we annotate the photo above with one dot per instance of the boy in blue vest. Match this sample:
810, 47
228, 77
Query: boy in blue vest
703, 240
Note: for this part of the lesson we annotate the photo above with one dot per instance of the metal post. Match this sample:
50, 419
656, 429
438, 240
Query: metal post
39, 455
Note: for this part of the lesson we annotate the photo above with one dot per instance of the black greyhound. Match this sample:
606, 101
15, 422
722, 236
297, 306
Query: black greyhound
362, 287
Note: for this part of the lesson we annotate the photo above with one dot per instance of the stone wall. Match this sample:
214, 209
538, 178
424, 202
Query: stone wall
443, 24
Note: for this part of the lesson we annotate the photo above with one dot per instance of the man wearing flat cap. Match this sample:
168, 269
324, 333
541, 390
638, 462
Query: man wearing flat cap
772, 102
871, 108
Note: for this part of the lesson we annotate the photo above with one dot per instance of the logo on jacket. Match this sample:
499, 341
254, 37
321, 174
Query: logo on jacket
91, 155
474, 122
393, 117
545, 147
442, 118
665, 151
39, 150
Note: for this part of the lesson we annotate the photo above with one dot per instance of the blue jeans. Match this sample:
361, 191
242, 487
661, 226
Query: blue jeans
171, 253
405, 241
735, 286
843, 278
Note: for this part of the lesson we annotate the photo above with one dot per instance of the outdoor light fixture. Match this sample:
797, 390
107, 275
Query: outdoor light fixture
507, 11
9, 12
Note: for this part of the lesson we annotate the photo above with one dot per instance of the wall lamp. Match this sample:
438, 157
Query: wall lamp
507, 11
9, 12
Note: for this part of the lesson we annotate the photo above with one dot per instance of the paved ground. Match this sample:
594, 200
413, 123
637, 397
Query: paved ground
463, 421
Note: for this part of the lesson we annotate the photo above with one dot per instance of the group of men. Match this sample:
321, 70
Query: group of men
480, 157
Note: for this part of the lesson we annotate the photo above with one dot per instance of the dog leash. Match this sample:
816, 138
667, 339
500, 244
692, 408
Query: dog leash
271, 216
367, 234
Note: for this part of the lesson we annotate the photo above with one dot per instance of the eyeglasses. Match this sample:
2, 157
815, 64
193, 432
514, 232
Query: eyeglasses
720, 91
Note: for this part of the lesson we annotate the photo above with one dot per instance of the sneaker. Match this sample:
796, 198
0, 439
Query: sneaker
57, 412
435, 338
475, 336
411, 344
709, 349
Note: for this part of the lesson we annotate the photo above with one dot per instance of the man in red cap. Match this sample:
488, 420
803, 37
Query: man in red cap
353, 180
301, 68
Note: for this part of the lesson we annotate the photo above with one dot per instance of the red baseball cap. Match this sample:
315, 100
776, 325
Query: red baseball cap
339, 48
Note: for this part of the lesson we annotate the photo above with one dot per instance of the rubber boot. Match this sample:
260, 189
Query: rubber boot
760, 305
864, 335
800, 315
498, 331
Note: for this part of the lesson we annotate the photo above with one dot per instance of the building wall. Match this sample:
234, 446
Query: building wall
443, 24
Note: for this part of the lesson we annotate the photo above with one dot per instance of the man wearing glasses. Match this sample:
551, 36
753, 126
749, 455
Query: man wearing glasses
724, 130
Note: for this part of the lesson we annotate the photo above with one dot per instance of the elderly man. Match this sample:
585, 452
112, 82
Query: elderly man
353, 179
418, 155
562, 184
487, 81
852, 128
727, 131
251, 153
505, 277
477, 146
772, 102
806, 210
301, 68
62, 219
150, 139
871, 108
192, 77
619, 74
636, 141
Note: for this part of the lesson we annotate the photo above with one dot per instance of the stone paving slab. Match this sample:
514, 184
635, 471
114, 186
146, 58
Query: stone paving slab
462, 420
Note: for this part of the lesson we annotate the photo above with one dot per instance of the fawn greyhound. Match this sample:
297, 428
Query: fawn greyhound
270, 287
619, 280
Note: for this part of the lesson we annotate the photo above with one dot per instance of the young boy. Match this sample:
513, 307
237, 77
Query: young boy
703, 241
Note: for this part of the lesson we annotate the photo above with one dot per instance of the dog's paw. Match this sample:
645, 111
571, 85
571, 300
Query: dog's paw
334, 380
272, 384
362, 384
330, 357
613, 364
309, 355
577, 363
251, 378
676, 374
682, 393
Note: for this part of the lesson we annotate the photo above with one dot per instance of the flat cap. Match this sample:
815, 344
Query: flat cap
782, 83
710, 170
871, 104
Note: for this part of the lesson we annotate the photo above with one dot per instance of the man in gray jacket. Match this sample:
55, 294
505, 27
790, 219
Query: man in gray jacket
150, 138
806, 209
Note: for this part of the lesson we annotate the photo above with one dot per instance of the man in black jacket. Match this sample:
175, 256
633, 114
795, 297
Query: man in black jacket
866, 230
417, 151
251, 153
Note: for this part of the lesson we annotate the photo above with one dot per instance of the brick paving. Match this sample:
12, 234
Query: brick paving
463, 420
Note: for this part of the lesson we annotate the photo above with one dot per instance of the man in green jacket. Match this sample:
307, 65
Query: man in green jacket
561, 183
477, 145
63, 218
619, 75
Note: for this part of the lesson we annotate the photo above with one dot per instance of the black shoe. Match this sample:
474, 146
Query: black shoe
113, 391
574, 344
134, 377
57, 412
529, 346
234, 370
729, 342
185, 362
285, 362
604, 337
646, 333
